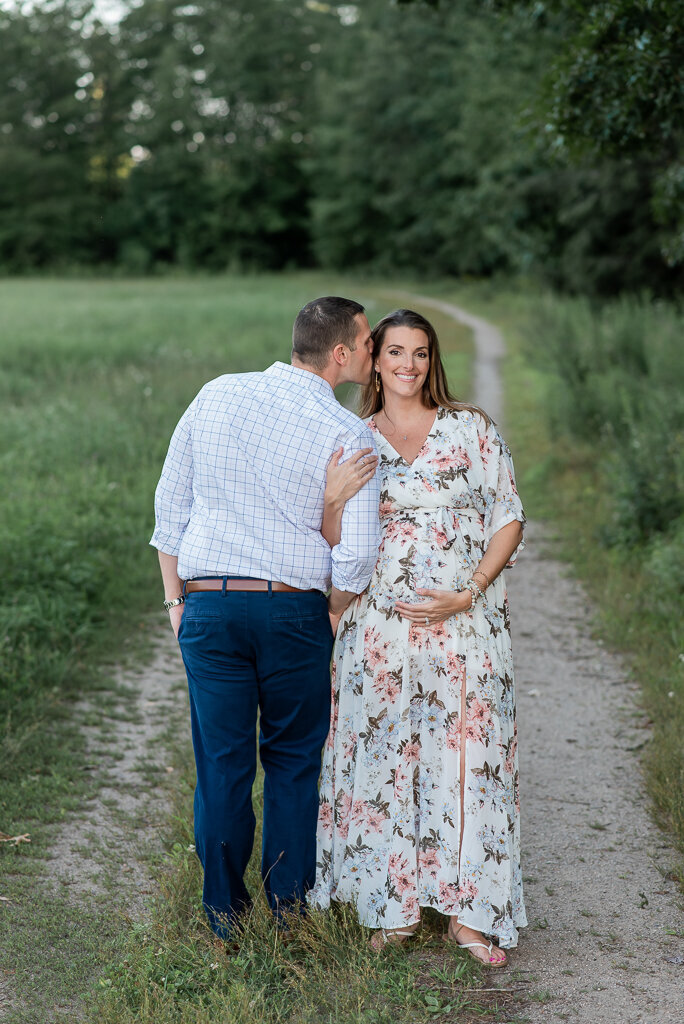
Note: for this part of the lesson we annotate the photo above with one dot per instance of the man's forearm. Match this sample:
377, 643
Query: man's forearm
339, 600
169, 570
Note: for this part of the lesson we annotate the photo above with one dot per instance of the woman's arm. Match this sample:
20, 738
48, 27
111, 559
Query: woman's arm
499, 550
342, 482
443, 603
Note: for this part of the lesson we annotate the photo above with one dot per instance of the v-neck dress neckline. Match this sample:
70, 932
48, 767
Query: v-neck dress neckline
422, 447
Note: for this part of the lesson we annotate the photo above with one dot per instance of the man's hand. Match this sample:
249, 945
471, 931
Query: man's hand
335, 621
175, 616
338, 602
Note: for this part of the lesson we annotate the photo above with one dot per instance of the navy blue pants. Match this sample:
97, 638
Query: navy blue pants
246, 653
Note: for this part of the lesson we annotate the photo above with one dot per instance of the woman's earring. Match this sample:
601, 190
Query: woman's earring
377, 381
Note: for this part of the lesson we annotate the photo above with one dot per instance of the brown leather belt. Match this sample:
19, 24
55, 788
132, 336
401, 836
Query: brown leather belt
194, 586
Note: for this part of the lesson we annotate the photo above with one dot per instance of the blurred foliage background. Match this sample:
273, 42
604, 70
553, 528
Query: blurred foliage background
459, 137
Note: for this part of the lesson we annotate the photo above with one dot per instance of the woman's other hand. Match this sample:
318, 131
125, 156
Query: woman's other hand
441, 605
345, 479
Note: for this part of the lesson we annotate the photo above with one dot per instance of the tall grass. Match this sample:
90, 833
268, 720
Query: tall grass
616, 382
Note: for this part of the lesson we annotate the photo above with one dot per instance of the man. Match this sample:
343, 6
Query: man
238, 516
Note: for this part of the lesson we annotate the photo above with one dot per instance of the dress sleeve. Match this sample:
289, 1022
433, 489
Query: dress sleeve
503, 504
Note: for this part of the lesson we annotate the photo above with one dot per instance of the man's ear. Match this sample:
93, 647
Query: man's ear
340, 354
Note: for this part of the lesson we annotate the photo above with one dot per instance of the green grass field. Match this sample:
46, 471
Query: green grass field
93, 377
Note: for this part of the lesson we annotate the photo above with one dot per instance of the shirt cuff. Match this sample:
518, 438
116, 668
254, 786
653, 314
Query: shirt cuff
168, 543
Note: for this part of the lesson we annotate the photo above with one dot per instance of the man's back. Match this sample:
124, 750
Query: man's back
242, 488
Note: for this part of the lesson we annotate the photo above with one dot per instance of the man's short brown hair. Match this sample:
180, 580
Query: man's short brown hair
322, 324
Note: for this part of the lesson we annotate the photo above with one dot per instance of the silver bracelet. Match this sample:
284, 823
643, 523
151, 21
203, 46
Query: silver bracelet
174, 604
472, 586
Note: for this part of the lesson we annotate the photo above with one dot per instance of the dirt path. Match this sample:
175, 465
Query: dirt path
99, 860
108, 845
604, 945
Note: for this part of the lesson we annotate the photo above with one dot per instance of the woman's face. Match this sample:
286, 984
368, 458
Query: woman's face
403, 361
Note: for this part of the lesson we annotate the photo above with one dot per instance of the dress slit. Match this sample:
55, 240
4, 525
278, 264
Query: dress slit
462, 771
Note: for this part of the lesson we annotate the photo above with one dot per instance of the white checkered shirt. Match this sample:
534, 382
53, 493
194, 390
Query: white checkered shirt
241, 491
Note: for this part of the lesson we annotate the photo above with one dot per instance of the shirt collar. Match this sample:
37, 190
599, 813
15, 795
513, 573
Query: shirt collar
298, 374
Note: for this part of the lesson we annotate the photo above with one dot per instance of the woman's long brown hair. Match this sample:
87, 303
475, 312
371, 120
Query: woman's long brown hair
435, 389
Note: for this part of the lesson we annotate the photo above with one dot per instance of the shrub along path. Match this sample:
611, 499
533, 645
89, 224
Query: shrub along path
604, 942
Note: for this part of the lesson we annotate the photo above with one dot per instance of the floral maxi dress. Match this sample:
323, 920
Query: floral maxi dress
406, 698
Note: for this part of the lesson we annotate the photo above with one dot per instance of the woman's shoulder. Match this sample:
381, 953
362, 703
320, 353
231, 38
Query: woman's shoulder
468, 418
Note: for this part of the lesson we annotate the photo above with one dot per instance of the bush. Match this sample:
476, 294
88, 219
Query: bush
614, 383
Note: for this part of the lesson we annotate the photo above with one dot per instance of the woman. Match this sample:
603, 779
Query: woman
419, 788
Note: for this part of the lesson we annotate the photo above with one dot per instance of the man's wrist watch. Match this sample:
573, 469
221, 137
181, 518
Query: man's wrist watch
174, 604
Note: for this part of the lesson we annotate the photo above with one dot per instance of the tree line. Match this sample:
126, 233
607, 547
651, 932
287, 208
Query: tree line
453, 137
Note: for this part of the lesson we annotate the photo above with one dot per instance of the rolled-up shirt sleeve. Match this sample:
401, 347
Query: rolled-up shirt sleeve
173, 496
354, 558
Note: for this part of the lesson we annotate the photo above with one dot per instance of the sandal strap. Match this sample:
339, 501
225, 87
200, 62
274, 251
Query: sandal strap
470, 945
402, 933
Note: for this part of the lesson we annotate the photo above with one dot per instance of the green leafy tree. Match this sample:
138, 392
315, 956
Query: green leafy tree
219, 125
44, 200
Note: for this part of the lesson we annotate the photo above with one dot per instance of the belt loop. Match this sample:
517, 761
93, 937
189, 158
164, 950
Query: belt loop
223, 588
270, 589
183, 590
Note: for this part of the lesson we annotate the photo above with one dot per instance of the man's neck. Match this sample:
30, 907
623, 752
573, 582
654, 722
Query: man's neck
329, 374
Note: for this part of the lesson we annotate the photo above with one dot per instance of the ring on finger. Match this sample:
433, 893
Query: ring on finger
427, 621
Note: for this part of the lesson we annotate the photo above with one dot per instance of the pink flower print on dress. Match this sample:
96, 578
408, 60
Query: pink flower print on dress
456, 666
374, 650
468, 891
386, 508
325, 816
463, 460
487, 662
401, 780
342, 813
349, 745
428, 861
416, 636
410, 909
453, 735
407, 531
411, 752
368, 818
478, 718
448, 897
445, 461
399, 871
508, 752
486, 448
386, 686
440, 535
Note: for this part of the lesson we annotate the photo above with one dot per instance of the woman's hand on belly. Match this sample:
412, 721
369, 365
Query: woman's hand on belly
439, 606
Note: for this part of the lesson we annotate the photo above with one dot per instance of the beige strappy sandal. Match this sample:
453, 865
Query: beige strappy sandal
493, 964
390, 937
